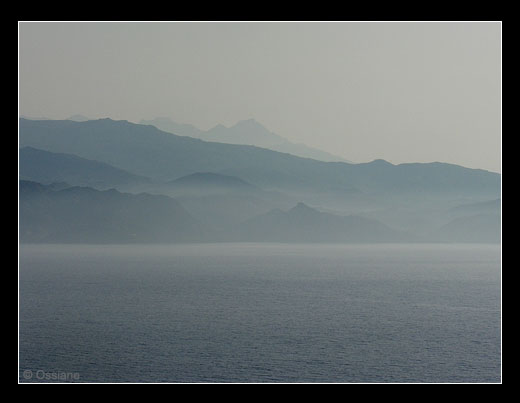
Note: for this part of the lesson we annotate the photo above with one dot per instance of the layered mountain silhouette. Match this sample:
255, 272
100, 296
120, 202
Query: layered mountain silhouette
169, 126
209, 182
86, 215
248, 132
147, 151
305, 224
168, 188
47, 167
478, 228
220, 201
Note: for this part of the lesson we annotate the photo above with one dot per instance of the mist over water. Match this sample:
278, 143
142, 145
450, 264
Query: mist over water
247, 312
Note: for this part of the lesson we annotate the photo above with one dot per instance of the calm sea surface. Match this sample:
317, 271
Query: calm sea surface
260, 313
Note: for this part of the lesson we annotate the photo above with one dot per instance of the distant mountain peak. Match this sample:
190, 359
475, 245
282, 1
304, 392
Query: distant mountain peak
247, 131
380, 161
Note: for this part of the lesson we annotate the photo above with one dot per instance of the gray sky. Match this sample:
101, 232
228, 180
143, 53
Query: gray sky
400, 91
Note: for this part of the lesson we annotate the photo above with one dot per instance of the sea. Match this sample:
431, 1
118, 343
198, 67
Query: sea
260, 313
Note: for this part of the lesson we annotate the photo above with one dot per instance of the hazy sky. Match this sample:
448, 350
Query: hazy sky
400, 91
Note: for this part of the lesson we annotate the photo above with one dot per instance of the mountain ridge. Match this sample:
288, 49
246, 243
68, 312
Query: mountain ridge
303, 223
46, 167
245, 132
85, 215
150, 152
211, 179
